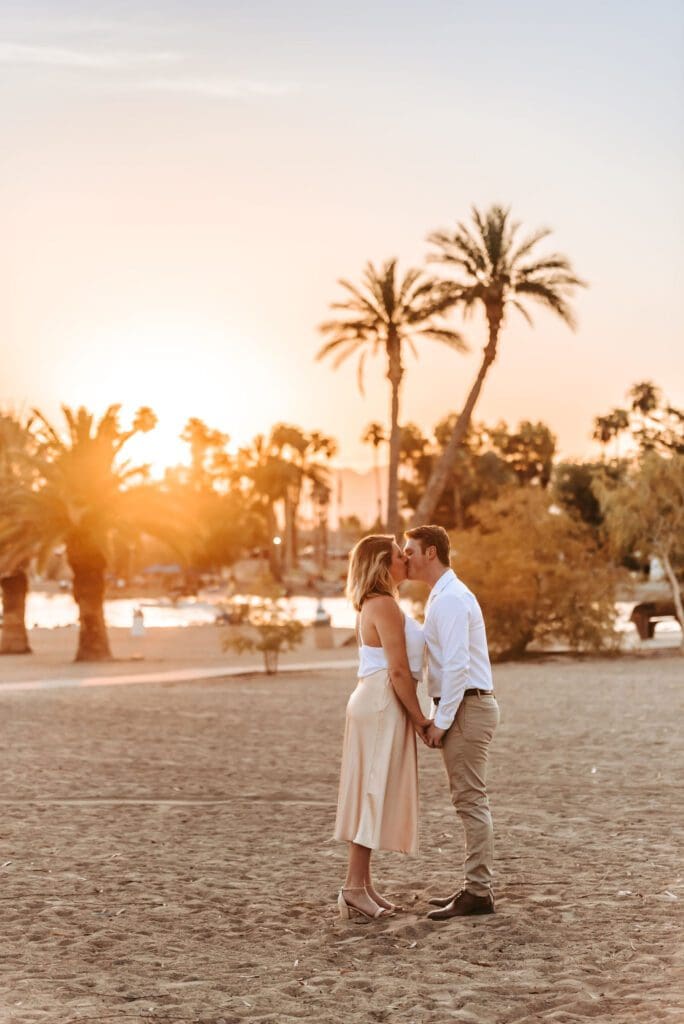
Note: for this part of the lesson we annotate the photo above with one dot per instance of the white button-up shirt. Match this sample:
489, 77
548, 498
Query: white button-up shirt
456, 644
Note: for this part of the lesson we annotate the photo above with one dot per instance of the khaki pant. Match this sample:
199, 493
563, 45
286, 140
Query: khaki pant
464, 749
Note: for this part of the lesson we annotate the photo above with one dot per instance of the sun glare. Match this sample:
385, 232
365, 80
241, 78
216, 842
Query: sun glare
180, 369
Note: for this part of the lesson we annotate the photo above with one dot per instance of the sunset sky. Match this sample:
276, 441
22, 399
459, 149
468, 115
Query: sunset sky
182, 185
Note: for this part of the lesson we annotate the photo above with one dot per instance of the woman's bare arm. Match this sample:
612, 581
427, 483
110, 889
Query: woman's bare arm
384, 614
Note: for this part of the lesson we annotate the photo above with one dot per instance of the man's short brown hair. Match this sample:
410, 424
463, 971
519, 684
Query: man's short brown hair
432, 537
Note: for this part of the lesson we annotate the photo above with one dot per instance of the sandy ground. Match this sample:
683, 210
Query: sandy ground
159, 650
166, 856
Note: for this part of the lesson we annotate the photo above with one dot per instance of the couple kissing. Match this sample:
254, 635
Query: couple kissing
377, 805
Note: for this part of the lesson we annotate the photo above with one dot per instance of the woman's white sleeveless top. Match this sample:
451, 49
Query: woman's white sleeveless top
372, 659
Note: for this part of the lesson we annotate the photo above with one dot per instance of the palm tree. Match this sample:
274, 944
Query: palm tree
382, 315
17, 449
207, 452
374, 435
302, 455
321, 447
290, 444
85, 498
268, 478
495, 272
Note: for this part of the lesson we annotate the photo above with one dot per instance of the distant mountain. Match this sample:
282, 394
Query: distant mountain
355, 494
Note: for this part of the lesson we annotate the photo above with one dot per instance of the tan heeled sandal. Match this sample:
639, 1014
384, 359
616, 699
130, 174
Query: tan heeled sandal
347, 910
391, 908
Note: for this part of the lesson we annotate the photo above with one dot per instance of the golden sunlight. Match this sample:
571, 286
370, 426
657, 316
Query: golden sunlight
180, 367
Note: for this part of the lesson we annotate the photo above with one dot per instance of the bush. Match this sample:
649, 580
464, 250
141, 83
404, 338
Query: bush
271, 630
538, 575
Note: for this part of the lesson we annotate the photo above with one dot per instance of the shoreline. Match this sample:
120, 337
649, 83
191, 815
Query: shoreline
194, 653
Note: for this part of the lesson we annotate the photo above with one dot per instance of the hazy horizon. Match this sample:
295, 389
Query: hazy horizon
182, 190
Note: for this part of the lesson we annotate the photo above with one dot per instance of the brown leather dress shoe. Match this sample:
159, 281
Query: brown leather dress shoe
464, 904
444, 901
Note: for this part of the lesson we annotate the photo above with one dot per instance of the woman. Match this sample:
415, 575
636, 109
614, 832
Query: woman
377, 806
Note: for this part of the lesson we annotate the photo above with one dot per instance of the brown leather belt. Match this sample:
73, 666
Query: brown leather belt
469, 693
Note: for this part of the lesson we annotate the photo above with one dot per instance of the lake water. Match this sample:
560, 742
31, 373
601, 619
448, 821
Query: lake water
49, 611
54, 610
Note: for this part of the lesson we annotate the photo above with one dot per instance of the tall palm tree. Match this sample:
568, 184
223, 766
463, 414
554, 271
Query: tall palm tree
494, 272
383, 315
374, 435
17, 451
86, 497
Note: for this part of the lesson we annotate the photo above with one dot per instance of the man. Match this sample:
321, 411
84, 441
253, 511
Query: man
466, 713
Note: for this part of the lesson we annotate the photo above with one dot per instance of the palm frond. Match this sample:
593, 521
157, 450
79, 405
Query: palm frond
521, 309
411, 277
359, 372
388, 289
412, 348
528, 244
371, 280
552, 262
549, 298
460, 249
446, 336
334, 343
360, 301
497, 268
345, 353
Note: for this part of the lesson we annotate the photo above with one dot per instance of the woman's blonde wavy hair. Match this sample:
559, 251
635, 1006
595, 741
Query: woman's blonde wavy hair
369, 569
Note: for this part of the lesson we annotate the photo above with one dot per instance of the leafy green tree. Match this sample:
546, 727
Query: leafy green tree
494, 272
386, 315
645, 514
540, 576
489, 460
573, 487
527, 451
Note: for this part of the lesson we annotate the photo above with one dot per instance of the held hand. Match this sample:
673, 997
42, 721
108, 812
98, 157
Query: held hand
421, 726
433, 735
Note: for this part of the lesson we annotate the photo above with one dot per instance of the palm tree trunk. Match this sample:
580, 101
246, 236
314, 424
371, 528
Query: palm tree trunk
288, 546
676, 593
323, 541
14, 635
294, 532
88, 566
457, 492
444, 465
273, 552
394, 375
376, 474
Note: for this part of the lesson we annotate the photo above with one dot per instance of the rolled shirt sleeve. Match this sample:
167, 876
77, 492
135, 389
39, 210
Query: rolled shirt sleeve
451, 616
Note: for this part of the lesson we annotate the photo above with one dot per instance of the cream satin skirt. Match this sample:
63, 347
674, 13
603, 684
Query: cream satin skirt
377, 804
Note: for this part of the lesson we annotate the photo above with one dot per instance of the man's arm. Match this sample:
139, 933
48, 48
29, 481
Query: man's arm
451, 626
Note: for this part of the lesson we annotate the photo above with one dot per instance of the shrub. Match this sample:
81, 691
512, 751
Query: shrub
538, 574
270, 630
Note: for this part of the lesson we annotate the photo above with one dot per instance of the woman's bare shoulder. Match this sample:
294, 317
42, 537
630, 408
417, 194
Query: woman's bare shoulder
382, 607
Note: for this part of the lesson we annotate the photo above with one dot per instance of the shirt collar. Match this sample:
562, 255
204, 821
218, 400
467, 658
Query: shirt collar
441, 584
